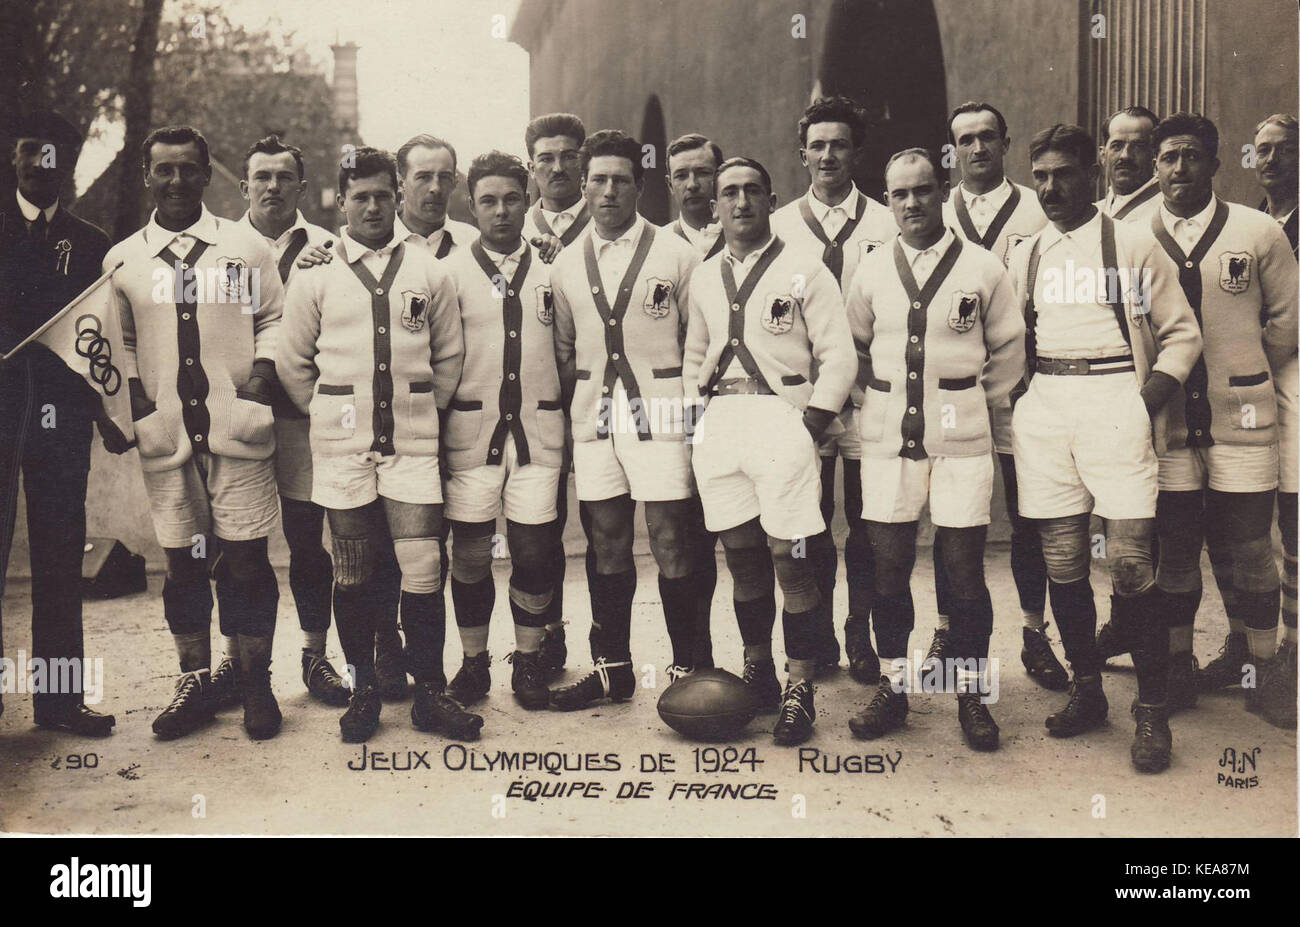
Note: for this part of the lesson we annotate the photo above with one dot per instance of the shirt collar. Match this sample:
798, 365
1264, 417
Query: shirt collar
632, 235
940, 247
752, 258
700, 237
500, 259
1201, 219
362, 250
30, 211
204, 229
401, 232
575, 210
997, 196
849, 204
1051, 235
1119, 200
299, 222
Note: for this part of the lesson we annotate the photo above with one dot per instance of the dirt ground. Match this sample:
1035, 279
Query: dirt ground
921, 781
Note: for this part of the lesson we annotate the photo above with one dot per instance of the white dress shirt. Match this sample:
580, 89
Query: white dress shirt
560, 221
506, 263
1117, 201
701, 239
30, 211
614, 256
374, 260
1070, 324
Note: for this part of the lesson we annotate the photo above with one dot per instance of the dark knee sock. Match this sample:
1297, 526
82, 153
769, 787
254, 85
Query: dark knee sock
473, 602
1286, 519
971, 625
893, 616
859, 571
1180, 611
704, 581
678, 598
1076, 619
943, 596
821, 548
1144, 623
424, 621
386, 589
354, 618
611, 615
311, 571
756, 619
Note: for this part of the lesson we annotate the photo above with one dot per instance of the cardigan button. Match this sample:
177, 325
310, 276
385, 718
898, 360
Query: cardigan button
1196, 395
911, 444
735, 307
914, 339
510, 416
383, 439
735, 341
614, 356
911, 410
613, 322
194, 402
835, 244
383, 366
512, 376
185, 316
912, 375
595, 289
199, 438
604, 389
189, 362
1189, 265
383, 403
514, 334
495, 452
510, 292
381, 330
379, 291
1198, 432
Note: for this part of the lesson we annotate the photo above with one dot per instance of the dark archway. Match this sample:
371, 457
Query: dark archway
654, 203
886, 55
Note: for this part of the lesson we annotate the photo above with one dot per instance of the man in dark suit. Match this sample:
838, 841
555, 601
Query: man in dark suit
47, 257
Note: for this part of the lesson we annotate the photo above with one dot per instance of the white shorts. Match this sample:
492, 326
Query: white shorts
293, 458
528, 492
654, 470
1000, 422
1288, 426
958, 489
1230, 468
848, 443
1083, 444
234, 499
349, 481
754, 458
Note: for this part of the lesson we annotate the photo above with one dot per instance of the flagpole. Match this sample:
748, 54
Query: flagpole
62, 312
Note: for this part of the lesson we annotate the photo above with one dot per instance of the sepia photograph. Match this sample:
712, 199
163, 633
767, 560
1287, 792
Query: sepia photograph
692, 418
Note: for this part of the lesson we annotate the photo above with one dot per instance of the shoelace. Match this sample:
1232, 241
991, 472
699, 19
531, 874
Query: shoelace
881, 698
184, 687
602, 670
792, 707
750, 673
1145, 724
937, 645
676, 672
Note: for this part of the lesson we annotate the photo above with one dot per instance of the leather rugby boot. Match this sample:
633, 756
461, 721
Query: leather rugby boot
794, 724
1040, 662
1085, 710
473, 681
614, 681
887, 711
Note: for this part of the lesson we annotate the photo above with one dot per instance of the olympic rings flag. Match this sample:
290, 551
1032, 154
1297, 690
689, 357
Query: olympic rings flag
87, 336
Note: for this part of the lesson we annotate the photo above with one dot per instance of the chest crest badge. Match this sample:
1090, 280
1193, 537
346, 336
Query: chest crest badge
658, 297
778, 313
545, 305
415, 309
1234, 272
232, 277
964, 311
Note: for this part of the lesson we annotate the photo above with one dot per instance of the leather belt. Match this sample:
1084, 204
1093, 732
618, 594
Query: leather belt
1083, 367
742, 386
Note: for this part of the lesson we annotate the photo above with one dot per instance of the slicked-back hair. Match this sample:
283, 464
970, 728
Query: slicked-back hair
1193, 124
1067, 139
367, 162
612, 143
422, 141
497, 164
271, 145
1284, 121
175, 135
693, 141
551, 125
925, 154
835, 109
974, 106
744, 162
1136, 112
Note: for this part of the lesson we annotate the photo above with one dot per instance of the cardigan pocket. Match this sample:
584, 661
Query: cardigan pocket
550, 424
155, 435
1252, 402
422, 410
464, 422
875, 410
250, 422
963, 415
333, 413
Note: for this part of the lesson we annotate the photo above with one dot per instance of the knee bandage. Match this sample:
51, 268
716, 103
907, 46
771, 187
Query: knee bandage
353, 561
798, 582
751, 572
471, 559
1253, 567
1131, 571
420, 560
1065, 548
531, 586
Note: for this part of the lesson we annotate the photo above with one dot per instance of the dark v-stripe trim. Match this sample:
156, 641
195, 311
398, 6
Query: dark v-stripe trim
1136, 201
713, 249
382, 380
833, 252
297, 241
510, 397
616, 363
191, 380
572, 232
999, 222
736, 301
913, 427
1196, 391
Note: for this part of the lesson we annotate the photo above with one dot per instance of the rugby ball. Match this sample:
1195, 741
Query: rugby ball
710, 704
